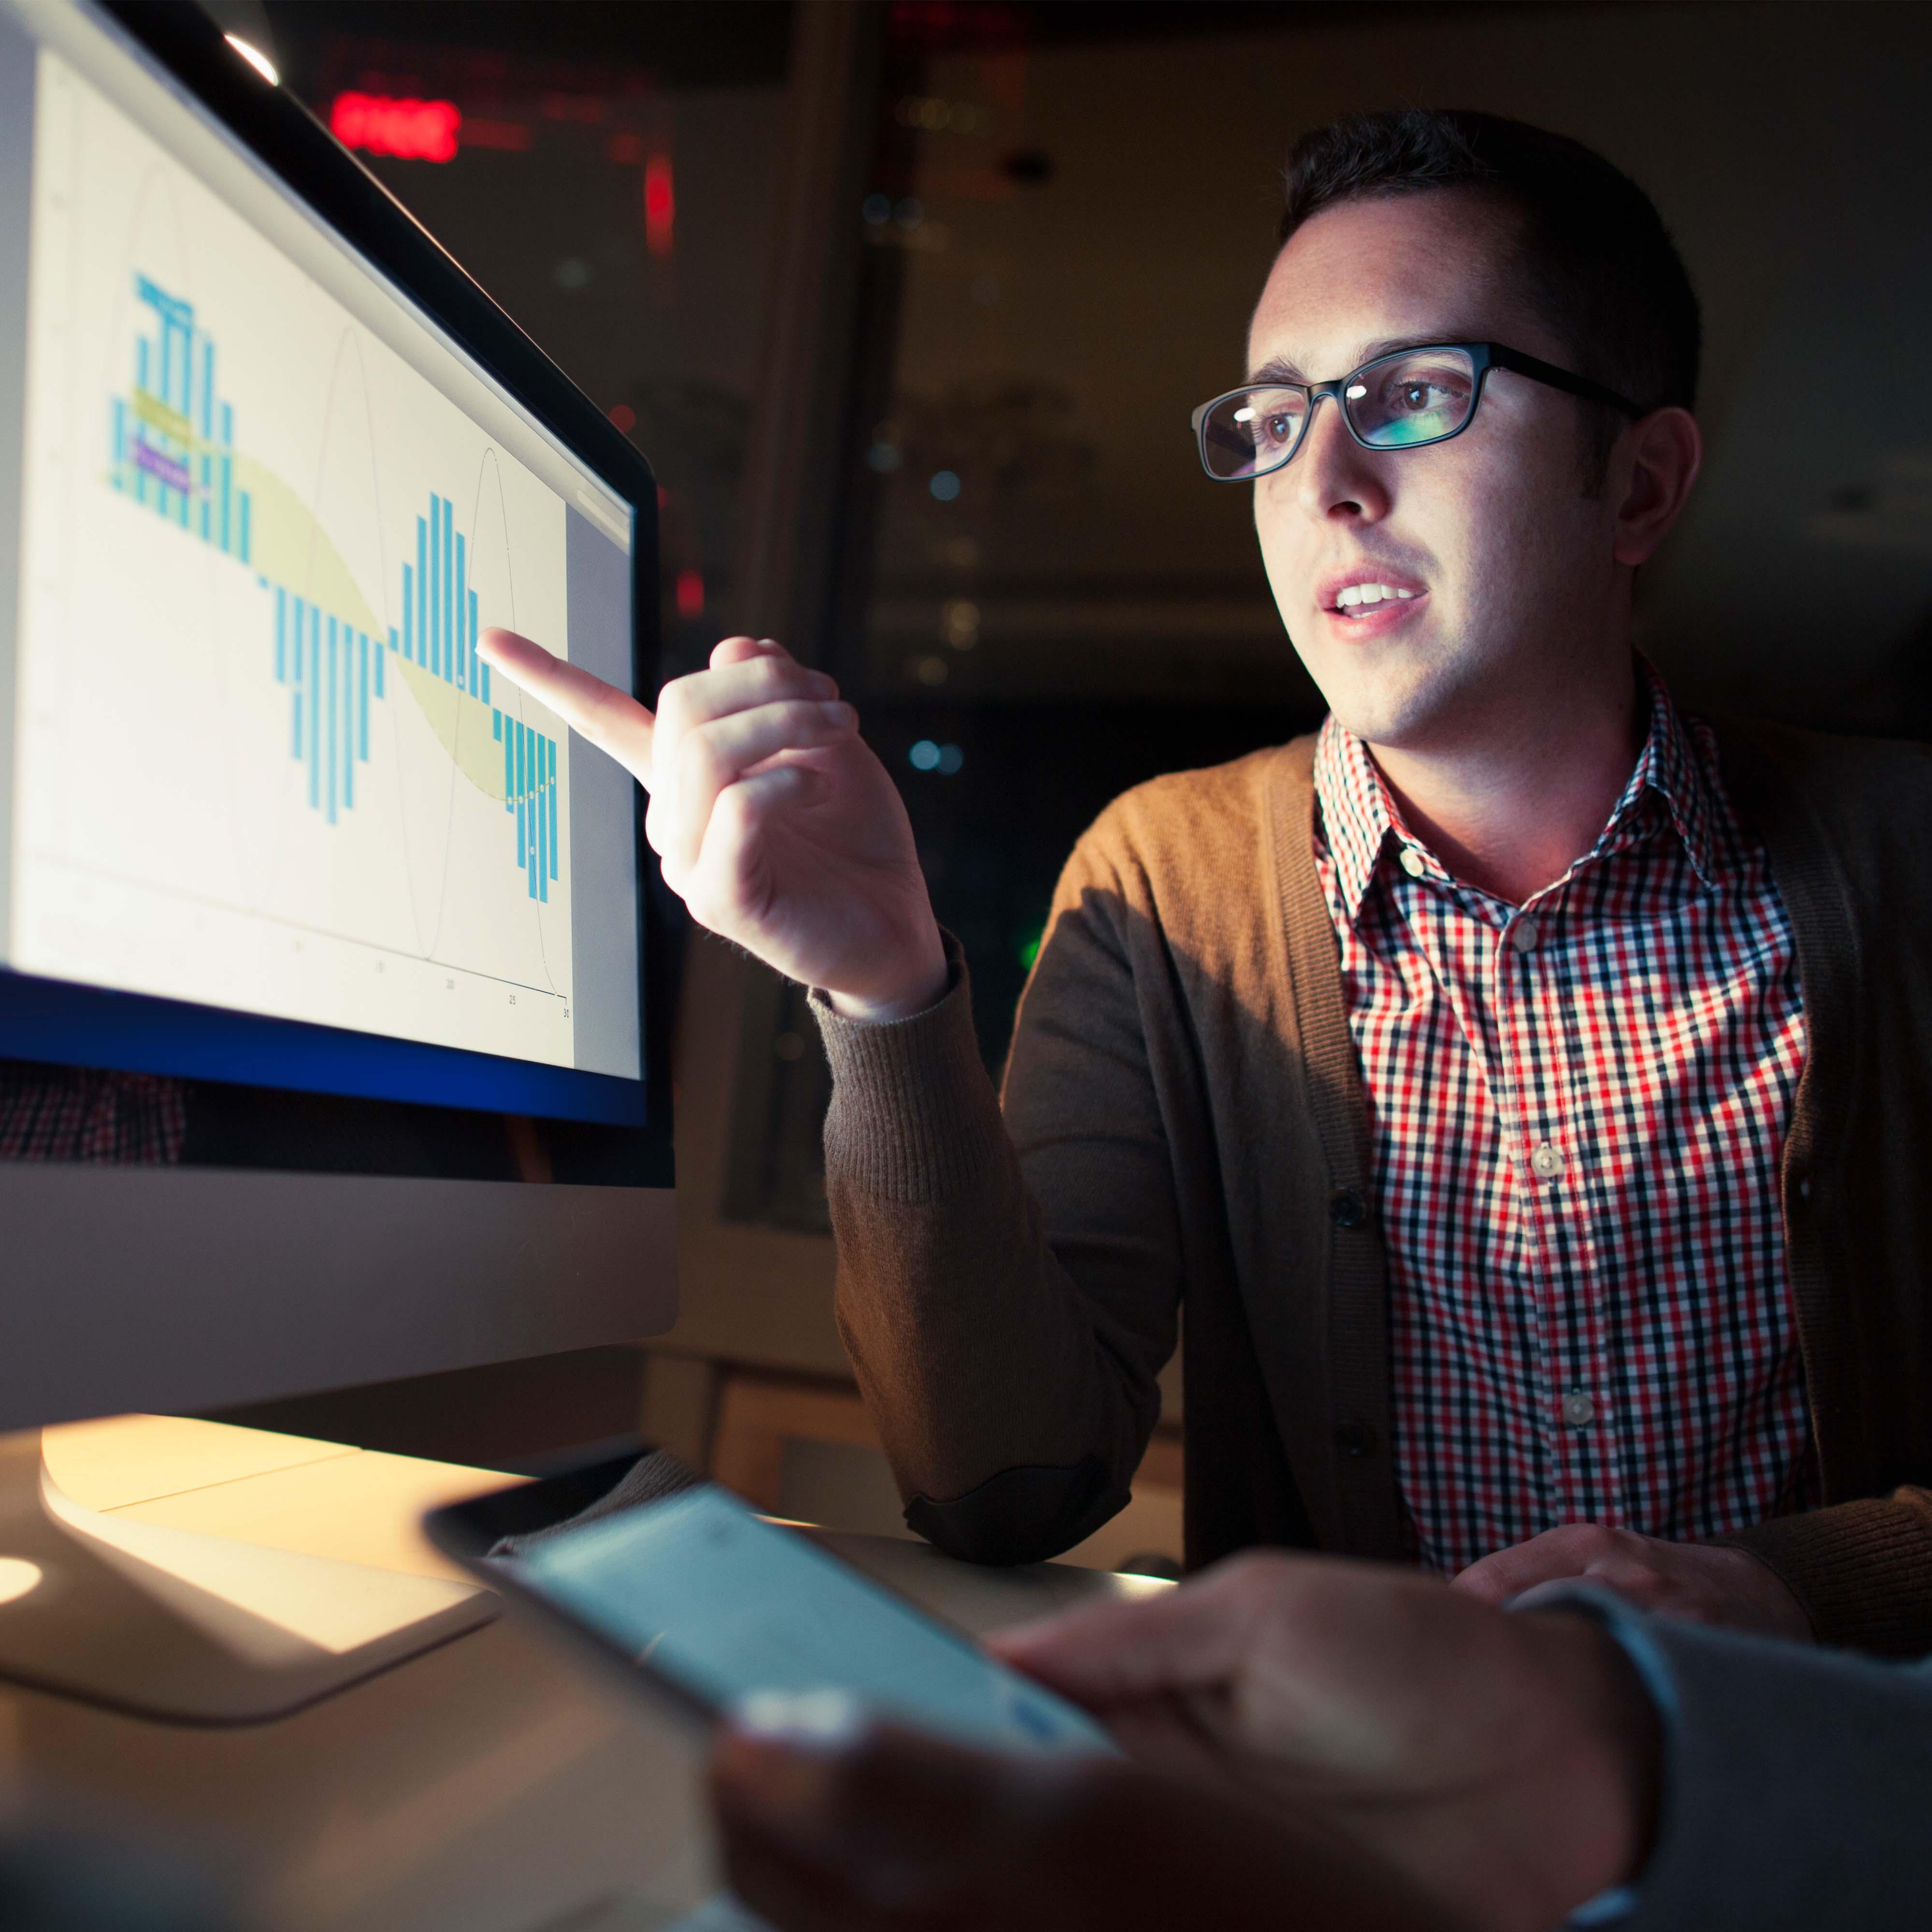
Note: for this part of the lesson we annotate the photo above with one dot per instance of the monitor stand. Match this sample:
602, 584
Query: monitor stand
199, 1629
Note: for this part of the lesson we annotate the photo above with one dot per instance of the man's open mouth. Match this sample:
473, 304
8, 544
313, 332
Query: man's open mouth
1358, 600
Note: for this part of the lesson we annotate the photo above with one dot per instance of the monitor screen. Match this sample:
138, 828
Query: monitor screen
266, 820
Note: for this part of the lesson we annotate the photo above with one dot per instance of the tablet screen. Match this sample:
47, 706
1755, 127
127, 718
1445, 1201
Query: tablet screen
728, 1606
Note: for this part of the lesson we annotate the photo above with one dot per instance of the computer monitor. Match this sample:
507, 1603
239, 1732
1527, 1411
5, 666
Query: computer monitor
334, 1011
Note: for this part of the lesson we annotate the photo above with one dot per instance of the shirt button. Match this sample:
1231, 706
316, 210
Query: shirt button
1578, 1411
1413, 862
1546, 1161
1524, 933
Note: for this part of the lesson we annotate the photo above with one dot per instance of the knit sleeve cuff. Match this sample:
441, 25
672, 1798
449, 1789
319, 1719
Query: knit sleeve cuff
914, 1117
1862, 1572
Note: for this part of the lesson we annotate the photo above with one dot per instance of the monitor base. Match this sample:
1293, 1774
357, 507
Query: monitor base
197, 1629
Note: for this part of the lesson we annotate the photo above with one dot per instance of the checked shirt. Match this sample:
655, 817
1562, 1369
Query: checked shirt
1579, 1109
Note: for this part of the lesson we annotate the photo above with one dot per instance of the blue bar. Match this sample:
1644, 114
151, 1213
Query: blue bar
245, 557
435, 593
448, 602
204, 499
334, 707
207, 388
541, 880
517, 793
348, 718
314, 711
465, 675
482, 669
408, 612
227, 478
295, 749
509, 764
553, 809
141, 363
426, 588
496, 726
362, 694
120, 441
422, 592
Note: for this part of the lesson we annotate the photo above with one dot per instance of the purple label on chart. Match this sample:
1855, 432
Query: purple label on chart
173, 474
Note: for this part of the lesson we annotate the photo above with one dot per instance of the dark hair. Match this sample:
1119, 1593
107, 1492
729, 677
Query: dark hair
1600, 265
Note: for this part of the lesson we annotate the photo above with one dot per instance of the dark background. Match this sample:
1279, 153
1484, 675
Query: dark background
1066, 213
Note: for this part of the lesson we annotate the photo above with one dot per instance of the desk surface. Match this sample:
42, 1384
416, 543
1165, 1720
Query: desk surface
488, 1786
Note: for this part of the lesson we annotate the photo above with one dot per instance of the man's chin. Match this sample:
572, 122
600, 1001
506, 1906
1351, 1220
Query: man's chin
1403, 712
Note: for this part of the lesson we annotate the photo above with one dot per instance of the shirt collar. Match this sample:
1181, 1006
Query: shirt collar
1672, 766
1358, 817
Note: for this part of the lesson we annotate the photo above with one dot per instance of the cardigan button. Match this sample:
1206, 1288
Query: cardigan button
1345, 1208
1356, 1438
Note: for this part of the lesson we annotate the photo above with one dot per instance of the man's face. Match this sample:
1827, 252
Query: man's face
1513, 587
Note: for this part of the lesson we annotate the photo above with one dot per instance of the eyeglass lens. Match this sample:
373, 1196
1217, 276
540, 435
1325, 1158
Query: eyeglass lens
1416, 396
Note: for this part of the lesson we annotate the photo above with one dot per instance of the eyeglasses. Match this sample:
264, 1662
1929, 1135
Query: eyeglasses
1406, 401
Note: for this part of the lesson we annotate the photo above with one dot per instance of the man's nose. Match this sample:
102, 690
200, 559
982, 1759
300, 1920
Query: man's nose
1337, 477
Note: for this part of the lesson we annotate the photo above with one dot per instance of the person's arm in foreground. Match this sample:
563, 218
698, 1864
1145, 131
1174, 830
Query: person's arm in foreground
1014, 1395
1511, 1768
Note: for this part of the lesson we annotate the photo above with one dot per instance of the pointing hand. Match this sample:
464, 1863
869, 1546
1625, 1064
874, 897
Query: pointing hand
775, 823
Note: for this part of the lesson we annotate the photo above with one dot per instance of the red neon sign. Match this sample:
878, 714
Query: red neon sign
660, 204
410, 130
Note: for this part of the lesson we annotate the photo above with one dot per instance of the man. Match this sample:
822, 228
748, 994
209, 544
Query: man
1522, 1084
1334, 1745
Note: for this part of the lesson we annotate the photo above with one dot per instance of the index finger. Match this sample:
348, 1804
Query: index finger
1185, 1638
612, 720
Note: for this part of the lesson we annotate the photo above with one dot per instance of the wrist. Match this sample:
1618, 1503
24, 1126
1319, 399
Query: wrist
901, 998
1608, 1757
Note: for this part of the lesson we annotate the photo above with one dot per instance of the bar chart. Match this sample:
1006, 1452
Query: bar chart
174, 445
173, 452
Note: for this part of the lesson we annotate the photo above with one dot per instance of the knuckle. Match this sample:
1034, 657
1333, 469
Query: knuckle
1582, 1540
700, 757
674, 706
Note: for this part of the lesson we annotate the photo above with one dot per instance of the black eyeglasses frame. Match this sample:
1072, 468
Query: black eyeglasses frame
1483, 357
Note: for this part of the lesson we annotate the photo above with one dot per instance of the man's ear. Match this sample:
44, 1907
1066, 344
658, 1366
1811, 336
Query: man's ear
1660, 460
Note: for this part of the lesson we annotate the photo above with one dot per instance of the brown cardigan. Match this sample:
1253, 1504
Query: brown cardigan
1185, 1123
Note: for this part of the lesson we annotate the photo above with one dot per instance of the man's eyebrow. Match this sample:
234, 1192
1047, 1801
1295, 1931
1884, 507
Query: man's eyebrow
1282, 369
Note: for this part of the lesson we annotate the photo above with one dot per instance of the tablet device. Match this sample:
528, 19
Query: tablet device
720, 1612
